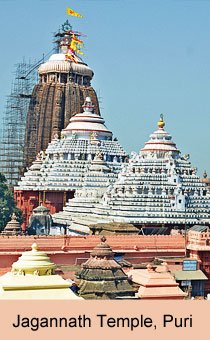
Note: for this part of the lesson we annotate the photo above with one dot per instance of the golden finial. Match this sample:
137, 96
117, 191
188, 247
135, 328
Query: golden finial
161, 122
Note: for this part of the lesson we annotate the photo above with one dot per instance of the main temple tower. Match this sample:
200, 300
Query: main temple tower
64, 83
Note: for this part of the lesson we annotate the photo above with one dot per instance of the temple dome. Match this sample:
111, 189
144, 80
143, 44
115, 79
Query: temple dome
102, 250
87, 122
34, 262
58, 63
160, 142
41, 209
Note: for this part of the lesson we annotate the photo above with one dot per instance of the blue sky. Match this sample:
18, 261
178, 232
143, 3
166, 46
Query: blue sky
149, 57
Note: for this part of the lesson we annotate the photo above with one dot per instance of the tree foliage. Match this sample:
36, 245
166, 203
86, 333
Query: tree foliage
7, 204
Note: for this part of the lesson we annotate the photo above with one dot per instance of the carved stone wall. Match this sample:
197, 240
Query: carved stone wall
51, 107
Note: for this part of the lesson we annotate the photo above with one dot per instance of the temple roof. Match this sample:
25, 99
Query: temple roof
41, 209
157, 187
87, 121
154, 284
66, 161
102, 250
34, 261
160, 141
13, 227
101, 277
68, 59
32, 277
58, 63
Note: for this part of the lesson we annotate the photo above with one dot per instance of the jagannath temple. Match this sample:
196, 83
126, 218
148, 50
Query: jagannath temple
86, 146
80, 178
64, 83
157, 188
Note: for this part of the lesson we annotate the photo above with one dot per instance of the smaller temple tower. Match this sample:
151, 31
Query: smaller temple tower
13, 227
58, 172
102, 277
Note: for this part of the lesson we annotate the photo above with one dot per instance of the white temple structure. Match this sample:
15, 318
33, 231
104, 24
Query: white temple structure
67, 161
158, 187
97, 179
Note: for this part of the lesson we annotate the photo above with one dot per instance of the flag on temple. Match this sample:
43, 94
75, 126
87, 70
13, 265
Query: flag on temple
76, 44
70, 11
71, 56
77, 39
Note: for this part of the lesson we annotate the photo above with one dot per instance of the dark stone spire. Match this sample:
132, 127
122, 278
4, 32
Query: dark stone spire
60, 94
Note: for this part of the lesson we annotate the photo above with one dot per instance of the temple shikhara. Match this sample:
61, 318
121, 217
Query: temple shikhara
77, 182
64, 83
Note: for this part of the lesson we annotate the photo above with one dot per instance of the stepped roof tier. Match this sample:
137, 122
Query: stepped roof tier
66, 162
13, 227
97, 179
156, 283
160, 143
87, 122
158, 187
102, 277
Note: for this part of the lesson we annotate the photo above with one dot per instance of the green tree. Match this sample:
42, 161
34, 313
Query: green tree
7, 204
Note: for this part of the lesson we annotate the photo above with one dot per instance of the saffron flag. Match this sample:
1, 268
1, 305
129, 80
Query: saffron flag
71, 56
76, 45
70, 11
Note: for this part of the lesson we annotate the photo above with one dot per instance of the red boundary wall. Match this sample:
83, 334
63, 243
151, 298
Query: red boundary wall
74, 250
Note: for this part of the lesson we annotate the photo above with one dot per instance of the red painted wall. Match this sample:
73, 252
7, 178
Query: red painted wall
29, 200
73, 250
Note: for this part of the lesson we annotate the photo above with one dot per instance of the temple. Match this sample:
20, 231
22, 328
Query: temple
101, 277
64, 83
79, 182
157, 188
86, 146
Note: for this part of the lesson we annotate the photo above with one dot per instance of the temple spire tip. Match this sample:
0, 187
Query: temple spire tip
161, 122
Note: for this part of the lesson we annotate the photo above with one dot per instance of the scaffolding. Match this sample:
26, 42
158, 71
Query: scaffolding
14, 122
13, 126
